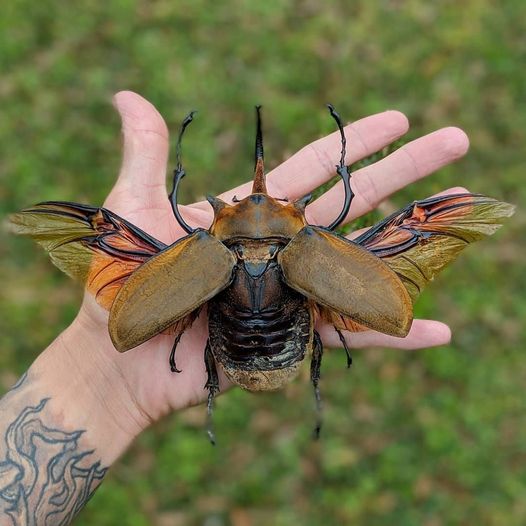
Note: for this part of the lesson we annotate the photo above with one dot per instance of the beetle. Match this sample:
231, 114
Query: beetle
264, 273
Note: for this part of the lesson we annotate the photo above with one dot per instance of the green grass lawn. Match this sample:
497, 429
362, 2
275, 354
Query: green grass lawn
429, 438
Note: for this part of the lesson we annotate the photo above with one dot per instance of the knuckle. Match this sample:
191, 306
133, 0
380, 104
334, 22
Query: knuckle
322, 157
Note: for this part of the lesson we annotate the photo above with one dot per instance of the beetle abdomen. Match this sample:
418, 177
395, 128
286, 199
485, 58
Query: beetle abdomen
263, 335
260, 329
262, 352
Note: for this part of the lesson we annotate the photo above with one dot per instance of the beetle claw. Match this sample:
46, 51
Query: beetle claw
173, 366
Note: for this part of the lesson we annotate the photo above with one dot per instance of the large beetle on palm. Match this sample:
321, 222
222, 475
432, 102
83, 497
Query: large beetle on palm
264, 273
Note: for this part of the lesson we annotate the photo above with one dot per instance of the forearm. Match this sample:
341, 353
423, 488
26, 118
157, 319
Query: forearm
61, 427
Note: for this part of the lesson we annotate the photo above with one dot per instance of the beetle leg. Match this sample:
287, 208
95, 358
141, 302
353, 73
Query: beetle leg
315, 365
343, 172
173, 367
344, 345
212, 384
179, 173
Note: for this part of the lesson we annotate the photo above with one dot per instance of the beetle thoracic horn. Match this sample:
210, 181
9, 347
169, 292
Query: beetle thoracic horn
301, 203
259, 186
217, 204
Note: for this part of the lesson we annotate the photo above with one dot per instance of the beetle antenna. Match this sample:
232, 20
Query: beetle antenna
179, 173
259, 186
343, 172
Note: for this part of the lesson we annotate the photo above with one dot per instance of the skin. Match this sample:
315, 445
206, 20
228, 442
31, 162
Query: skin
112, 396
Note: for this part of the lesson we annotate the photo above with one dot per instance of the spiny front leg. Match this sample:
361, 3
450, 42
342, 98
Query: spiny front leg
179, 173
343, 172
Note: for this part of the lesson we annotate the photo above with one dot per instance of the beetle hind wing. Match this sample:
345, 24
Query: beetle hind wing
418, 241
91, 245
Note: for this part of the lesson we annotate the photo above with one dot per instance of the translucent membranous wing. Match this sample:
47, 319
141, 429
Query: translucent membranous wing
418, 241
92, 245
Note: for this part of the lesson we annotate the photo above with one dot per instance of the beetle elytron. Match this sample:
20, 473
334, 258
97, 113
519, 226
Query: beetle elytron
265, 274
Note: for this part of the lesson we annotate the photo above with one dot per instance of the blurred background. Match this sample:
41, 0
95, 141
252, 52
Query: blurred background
429, 438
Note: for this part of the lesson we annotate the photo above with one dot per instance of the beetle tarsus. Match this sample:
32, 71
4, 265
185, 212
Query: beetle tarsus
179, 173
344, 345
315, 366
212, 384
343, 172
173, 366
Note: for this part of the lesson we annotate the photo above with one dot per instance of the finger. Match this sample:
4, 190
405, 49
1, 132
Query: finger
376, 182
423, 334
143, 170
316, 163
449, 191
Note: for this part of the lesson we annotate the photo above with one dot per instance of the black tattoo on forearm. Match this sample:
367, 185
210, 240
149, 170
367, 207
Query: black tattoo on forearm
20, 381
45, 476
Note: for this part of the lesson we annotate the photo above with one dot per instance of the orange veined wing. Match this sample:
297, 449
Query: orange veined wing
92, 245
418, 241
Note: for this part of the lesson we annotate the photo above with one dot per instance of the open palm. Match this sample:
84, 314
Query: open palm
140, 196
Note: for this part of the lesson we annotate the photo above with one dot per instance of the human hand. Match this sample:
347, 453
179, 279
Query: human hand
149, 388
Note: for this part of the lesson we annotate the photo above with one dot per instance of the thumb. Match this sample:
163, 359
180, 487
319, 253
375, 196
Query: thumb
143, 170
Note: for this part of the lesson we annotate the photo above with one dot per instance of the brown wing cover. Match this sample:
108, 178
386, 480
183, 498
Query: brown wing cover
168, 287
418, 241
341, 276
92, 245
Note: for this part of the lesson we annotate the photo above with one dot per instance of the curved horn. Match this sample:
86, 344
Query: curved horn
217, 204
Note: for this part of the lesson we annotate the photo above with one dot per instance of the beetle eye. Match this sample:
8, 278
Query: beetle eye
272, 250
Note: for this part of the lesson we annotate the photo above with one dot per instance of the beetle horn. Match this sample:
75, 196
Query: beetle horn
259, 186
217, 204
301, 203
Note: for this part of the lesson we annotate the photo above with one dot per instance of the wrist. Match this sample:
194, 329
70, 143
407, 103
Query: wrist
79, 374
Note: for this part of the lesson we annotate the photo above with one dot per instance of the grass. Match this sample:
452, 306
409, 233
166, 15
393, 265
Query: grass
431, 438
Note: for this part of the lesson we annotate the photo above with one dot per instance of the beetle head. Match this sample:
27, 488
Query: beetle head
258, 215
